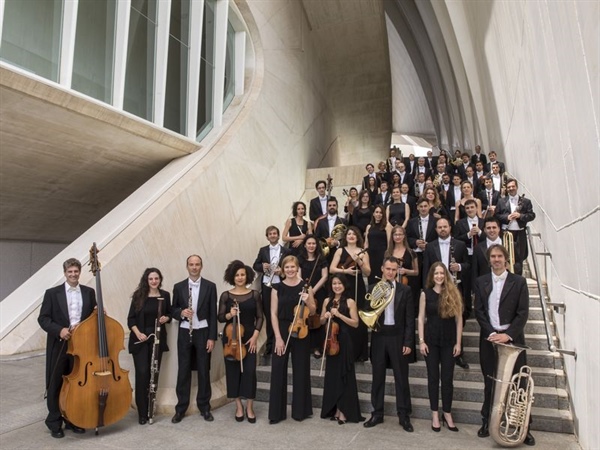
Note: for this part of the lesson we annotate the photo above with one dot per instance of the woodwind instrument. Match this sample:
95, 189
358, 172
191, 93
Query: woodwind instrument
454, 274
421, 237
154, 364
191, 319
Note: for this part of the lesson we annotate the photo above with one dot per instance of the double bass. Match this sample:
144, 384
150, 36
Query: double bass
97, 392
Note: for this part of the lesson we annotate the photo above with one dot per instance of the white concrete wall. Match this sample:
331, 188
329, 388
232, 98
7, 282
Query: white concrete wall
533, 70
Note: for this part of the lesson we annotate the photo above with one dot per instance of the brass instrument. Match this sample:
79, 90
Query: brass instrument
154, 365
272, 269
508, 241
453, 274
191, 319
512, 399
324, 247
437, 180
338, 232
379, 298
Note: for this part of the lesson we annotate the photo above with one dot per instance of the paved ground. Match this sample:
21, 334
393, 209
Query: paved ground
22, 413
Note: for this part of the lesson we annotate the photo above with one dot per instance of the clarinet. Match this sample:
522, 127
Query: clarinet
454, 275
421, 229
191, 319
154, 365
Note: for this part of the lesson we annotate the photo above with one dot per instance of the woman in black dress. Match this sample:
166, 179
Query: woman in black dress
247, 305
284, 299
372, 189
148, 303
361, 217
440, 331
467, 193
351, 260
309, 256
340, 393
296, 228
377, 236
398, 212
436, 207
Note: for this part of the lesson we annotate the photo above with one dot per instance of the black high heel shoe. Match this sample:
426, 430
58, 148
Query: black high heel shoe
445, 422
436, 429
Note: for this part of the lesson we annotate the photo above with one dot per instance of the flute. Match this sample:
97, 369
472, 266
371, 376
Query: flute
191, 319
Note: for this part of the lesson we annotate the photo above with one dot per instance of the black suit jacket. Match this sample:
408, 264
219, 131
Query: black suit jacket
482, 195
451, 201
314, 209
428, 172
365, 182
379, 200
54, 316
461, 231
488, 167
513, 308
432, 254
526, 210
409, 168
264, 256
404, 315
412, 231
138, 319
431, 165
462, 171
479, 263
482, 158
322, 230
207, 303
408, 179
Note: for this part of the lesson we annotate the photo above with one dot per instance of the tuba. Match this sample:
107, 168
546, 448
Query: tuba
379, 298
512, 399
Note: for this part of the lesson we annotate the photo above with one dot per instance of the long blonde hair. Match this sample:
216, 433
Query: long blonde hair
450, 304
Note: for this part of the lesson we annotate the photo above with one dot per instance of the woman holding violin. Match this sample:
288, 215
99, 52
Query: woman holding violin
241, 310
340, 392
353, 261
146, 307
296, 228
291, 304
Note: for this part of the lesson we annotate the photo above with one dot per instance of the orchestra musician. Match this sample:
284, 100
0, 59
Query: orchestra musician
493, 160
420, 230
478, 156
268, 263
392, 344
318, 205
246, 304
340, 391
361, 217
351, 203
195, 306
489, 197
370, 174
141, 320
440, 334
63, 308
377, 236
466, 194
325, 226
480, 265
296, 228
288, 299
398, 212
383, 198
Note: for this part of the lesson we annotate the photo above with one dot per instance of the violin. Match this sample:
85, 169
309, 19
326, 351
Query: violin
403, 278
234, 349
299, 327
332, 344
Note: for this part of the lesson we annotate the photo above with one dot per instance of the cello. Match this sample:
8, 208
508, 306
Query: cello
97, 392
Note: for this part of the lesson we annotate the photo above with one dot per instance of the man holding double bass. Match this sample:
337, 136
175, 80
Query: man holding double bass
63, 308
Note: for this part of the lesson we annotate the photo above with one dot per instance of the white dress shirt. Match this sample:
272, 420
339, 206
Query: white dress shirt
389, 309
513, 202
494, 301
194, 286
445, 251
74, 303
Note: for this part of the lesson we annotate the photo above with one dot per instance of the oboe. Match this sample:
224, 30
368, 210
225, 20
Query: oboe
421, 229
191, 319
154, 365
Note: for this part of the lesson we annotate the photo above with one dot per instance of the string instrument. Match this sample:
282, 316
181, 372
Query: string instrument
97, 392
314, 320
234, 349
331, 345
299, 326
403, 278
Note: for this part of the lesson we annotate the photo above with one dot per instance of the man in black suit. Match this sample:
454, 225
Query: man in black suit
431, 161
514, 213
268, 262
462, 168
469, 231
421, 168
392, 343
370, 174
405, 177
421, 230
444, 249
325, 226
502, 309
195, 306
410, 164
384, 197
494, 159
478, 156
318, 205
489, 197
480, 265
453, 195
63, 308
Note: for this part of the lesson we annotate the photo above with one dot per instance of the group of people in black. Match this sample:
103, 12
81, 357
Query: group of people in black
428, 227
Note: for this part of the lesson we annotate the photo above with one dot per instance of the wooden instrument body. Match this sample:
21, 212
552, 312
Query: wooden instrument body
80, 397
232, 350
299, 327
332, 345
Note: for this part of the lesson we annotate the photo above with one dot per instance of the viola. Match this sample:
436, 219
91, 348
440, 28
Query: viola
299, 327
234, 349
332, 344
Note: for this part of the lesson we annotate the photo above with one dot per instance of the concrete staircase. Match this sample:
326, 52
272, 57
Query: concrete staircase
551, 410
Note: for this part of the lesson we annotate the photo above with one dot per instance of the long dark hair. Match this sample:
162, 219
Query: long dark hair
343, 296
304, 253
140, 294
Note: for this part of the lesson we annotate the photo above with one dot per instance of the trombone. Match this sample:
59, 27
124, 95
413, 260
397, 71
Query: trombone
508, 241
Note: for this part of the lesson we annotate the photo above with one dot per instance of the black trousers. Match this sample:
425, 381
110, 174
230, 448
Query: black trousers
440, 355
385, 348
62, 364
142, 361
266, 300
521, 249
241, 384
185, 349
487, 359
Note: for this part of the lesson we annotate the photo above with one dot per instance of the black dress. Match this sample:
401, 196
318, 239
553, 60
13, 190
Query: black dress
377, 247
397, 213
361, 218
340, 390
357, 291
296, 230
316, 335
287, 299
242, 384
145, 320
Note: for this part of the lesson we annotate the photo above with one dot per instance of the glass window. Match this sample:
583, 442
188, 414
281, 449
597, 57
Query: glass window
205, 91
229, 89
177, 67
94, 49
31, 36
141, 49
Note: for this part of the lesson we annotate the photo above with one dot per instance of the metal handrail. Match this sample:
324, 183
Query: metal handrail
550, 342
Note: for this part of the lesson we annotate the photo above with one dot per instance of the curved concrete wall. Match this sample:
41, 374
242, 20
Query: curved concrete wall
533, 72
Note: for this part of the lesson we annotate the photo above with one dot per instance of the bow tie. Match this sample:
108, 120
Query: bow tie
444, 242
73, 289
194, 283
502, 277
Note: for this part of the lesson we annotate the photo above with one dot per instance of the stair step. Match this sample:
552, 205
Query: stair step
535, 341
532, 326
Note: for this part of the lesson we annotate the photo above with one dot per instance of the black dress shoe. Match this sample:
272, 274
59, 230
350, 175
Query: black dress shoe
142, 421
484, 430
405, 423
58, 434
529, 439
460, 362
250, 419
209, 417
178, 417
374, 420
273, 422
75, 429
